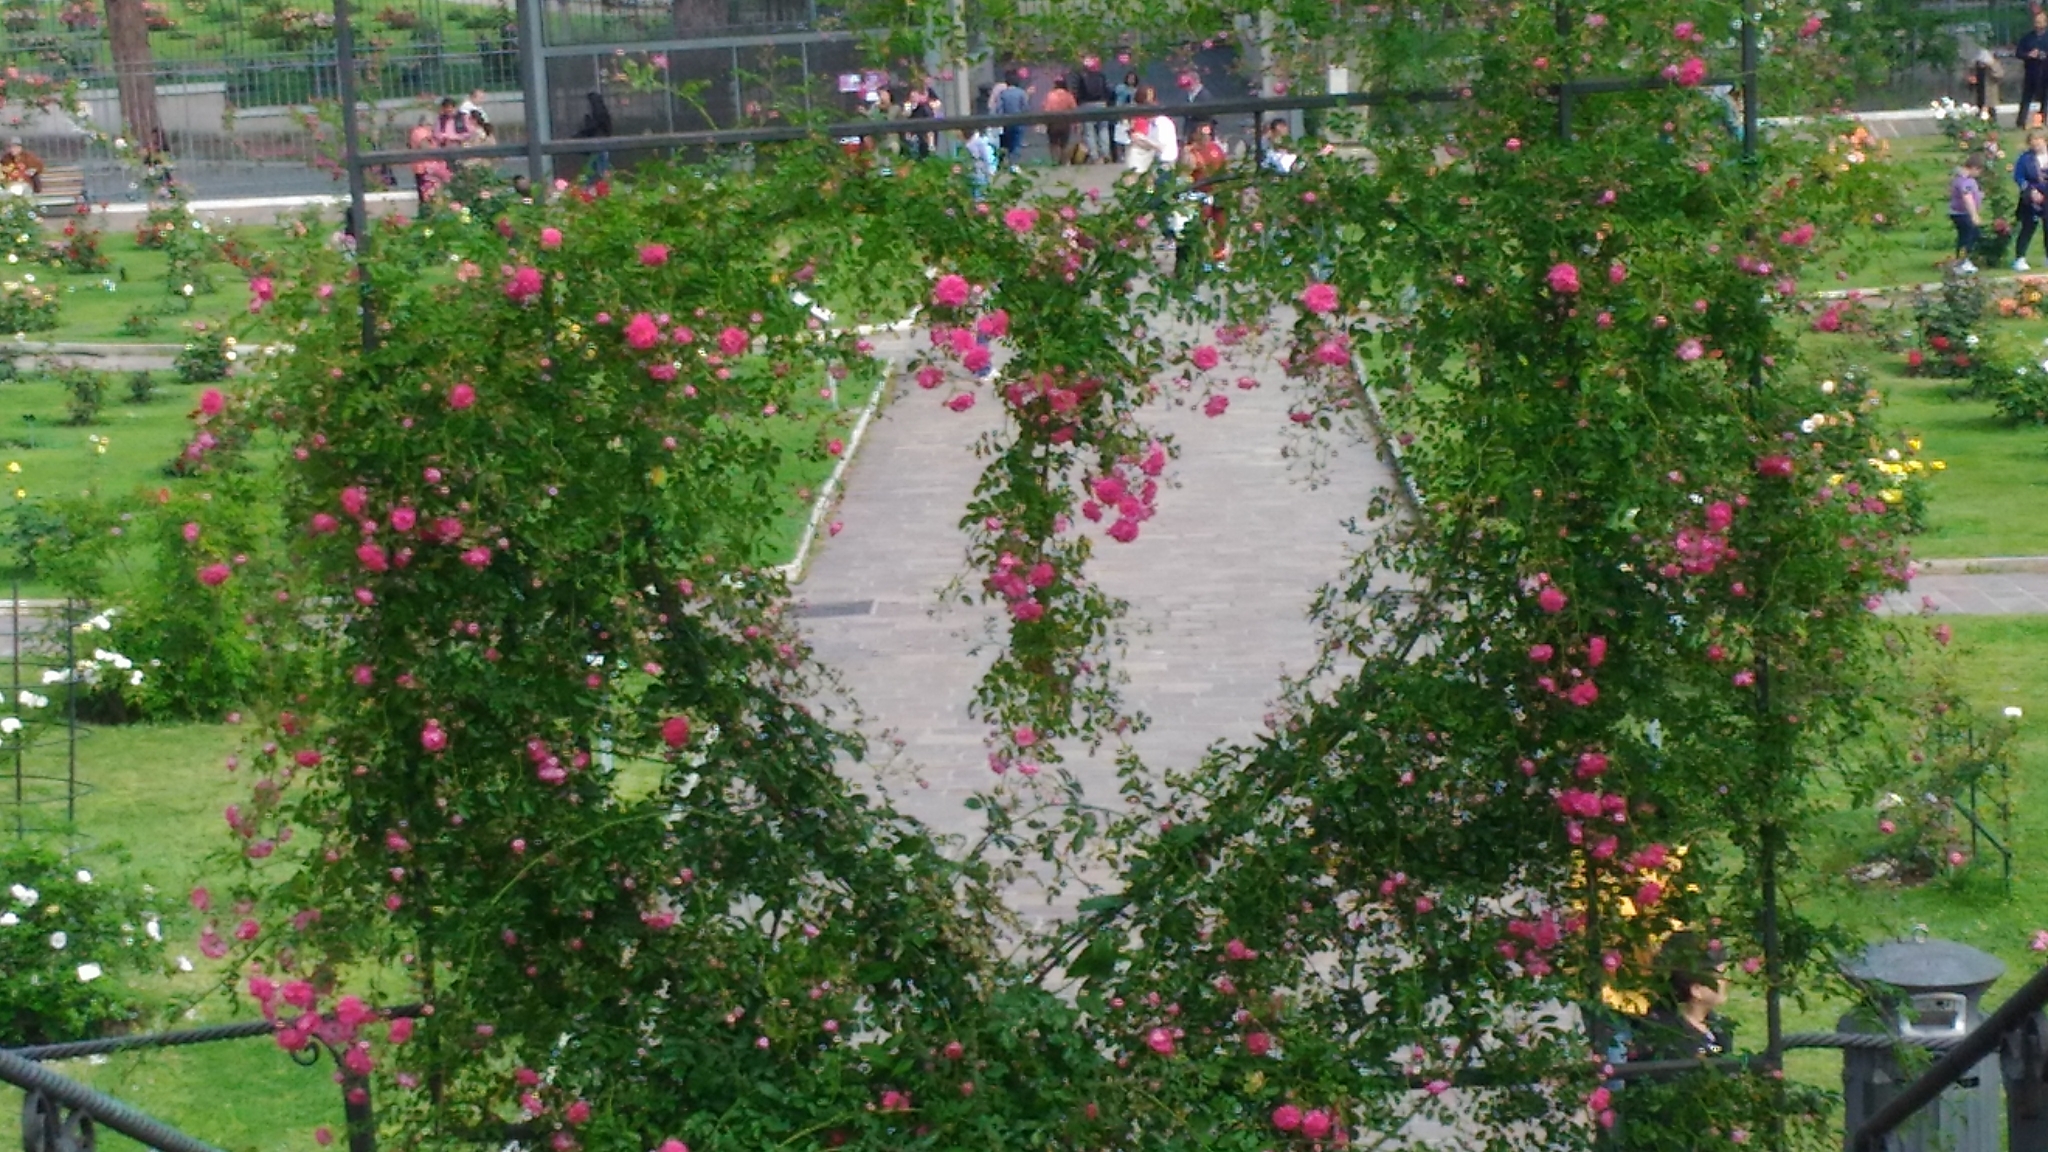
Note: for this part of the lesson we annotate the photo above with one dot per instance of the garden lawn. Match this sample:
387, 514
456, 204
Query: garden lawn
157, 794
2003, 661
60, 459
1987, 501
1912, 250
96, 303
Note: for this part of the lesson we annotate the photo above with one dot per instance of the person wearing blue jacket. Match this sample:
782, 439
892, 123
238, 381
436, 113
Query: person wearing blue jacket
2030, 173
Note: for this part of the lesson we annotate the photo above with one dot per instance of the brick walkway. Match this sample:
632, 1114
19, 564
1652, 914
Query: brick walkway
1218, 583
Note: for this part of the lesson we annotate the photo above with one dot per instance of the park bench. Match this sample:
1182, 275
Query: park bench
62, 191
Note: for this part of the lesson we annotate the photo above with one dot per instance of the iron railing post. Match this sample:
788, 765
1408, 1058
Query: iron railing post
352, 146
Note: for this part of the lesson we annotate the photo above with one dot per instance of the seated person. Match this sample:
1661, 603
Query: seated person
19, 166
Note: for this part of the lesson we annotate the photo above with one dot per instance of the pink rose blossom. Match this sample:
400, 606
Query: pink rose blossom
1319, 298
1204, 357
1287, 1118
211, 402
433, 737
551, 238
961, 402
951, 291
675, 731
214, 575
1689, 350
1021, 220
1215, 405
523, 285
1564, 279
733, 341
654, 255
642, 332
461, 396
1551, 600
1315, 1124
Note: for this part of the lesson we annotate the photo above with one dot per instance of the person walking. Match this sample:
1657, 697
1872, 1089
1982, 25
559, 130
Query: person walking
597, 124
2033, 53
1092, 91
1965, 203
1012, 100
1154, 142
1059, 137
1123, 95
2030, 173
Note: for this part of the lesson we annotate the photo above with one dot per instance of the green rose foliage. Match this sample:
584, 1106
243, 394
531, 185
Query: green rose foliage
70, 942
559, 765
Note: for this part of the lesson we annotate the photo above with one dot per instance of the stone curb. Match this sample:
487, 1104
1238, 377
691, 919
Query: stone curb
1982, 566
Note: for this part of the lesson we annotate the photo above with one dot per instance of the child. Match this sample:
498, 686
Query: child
1965, 206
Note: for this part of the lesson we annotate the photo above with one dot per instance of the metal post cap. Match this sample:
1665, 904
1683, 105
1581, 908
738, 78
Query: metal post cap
1922, 965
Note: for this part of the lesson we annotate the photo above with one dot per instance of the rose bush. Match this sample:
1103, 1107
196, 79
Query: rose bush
559, 766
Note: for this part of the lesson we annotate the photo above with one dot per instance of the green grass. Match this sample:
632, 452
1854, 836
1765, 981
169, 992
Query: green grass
2002, 662
156, 795
96, 303
1996, 471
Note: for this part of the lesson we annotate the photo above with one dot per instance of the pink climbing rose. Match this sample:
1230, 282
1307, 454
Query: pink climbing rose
951, 291
733, 341
211, 402
461, 396
642, 332
1550, 599
1287, 1118
433, 737
1021, 220
1204, 357
215, 575
551, 238
654, 255
523, 285
1319, 298
675, 731
1564, 279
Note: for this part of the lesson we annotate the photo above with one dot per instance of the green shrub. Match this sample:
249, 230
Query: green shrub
204, 358
86, 394
69, 939
138, 324
65, 540
141, 387
26, 306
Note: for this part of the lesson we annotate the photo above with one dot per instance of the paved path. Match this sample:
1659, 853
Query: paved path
1977, 594
1219, 583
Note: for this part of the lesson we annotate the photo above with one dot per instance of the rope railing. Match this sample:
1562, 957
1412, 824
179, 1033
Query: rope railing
145, 1129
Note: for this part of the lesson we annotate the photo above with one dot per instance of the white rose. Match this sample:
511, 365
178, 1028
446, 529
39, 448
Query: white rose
2013, 712
84, 877
58, 940
24, 895
87, 973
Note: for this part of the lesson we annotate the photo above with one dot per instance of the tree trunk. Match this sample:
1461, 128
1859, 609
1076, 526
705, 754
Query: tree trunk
128, 33
695, 17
